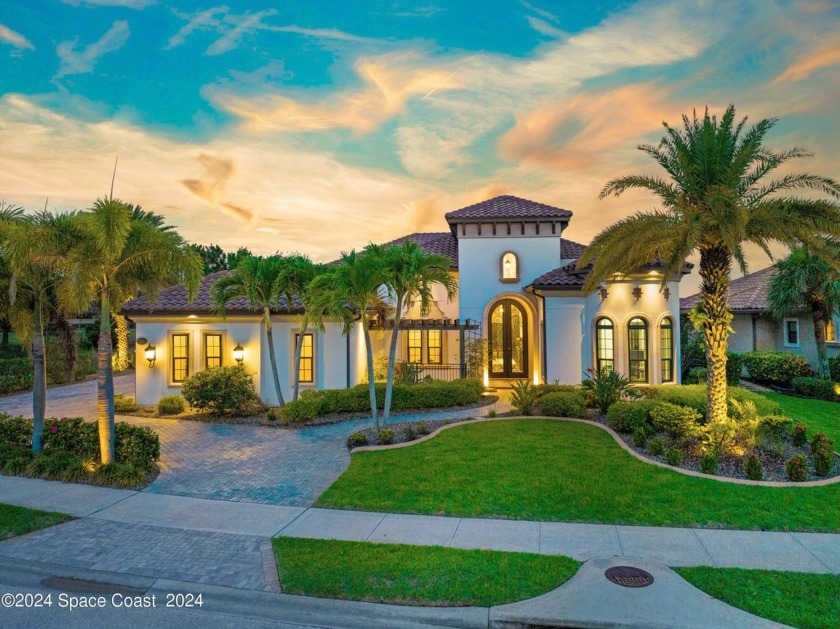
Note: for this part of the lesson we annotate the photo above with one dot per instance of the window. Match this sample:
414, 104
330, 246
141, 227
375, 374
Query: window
830, 332
415, 346
637, 344
791, 333
180, 357
510, 267
604, 345
212, 350
435, 347
307, 358
666, 349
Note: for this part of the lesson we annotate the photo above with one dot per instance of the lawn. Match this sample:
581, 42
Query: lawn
537, 469
809, 601
415, 575
20, 520
817, 415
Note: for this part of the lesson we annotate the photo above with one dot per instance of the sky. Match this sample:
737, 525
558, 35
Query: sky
320, 126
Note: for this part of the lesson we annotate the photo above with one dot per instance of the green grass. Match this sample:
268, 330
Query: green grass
809, 601
817, 415
415, 575
537, 469
20, 520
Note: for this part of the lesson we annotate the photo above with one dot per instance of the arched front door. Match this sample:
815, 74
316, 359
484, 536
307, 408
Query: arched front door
508, 340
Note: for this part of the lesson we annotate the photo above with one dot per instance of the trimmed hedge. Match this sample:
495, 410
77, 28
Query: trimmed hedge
775, 367
694, 396
816, 388
734, 365
834, 368
628, 416
171, 405
563, 404
679, 422
221, 390
425, 394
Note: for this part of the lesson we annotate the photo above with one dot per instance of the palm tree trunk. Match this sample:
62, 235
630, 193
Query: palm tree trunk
39, 384
715, 267
121, 363
820, 317
371, 383
392, 357
105, 382
298, 347
69, 345
272, 358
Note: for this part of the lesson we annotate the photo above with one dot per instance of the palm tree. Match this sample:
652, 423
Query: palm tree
807, 282
295, 277
349, 290
255, 279
33, 247
715, 198
121, 254
410, 275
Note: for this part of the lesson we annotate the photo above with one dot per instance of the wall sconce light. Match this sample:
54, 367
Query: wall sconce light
238, 354
151, 355
637, 292
602, 291
667, 293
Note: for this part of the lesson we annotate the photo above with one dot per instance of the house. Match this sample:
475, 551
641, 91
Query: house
519, 291
756, 329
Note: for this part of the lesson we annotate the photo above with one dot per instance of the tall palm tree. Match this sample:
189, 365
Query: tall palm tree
410, 275
352, 289
34, 247
121, 254
296, 275
715, 199
807, 282
255, 279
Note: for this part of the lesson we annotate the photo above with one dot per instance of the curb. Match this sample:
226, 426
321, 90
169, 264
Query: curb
620, 442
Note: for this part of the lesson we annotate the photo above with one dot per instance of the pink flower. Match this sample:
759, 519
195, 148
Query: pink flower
53, 428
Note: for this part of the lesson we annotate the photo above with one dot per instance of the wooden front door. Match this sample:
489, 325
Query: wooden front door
508, 340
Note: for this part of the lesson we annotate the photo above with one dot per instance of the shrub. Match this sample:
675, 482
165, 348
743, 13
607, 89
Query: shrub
775, 367
124, 404
15, 374
423, 428
822, 452
171, 405
16, 466
708, 463
816, 388
734, 366
273, 414
800, 435
221, 390
357, 440
673, 456
697, 375
753, 467
386, 437
302, 409
38, 466
680, 422
606, 387
137, 446
655, 446
834, 368
410, 434
720, 436
772, 432
639, 437
15, 430
491, 413
121, 475
71, 434
695, 396
627, 416
524, 397
797, 468
563, 404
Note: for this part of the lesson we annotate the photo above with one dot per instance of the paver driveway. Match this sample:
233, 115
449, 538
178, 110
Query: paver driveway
223, 461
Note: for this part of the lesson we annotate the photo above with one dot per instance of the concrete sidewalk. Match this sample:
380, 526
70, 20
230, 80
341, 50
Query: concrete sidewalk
771, 550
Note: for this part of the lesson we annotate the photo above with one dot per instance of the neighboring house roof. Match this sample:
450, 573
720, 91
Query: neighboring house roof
506, 207
746, 294
442, 243
173, 300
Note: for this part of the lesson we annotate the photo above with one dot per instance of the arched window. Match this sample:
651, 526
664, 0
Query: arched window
666, 348
604, 345
637, 346
510, 267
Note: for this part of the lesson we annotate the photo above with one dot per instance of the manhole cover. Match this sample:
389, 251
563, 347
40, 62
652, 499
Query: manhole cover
83, 586
629, 577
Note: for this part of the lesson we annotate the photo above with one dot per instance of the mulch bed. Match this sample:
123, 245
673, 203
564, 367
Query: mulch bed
405, 432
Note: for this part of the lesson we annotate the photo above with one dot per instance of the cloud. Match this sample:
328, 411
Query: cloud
816, 59
129, 4
82, 61
8, 36
240, 26
201, 21
211, 187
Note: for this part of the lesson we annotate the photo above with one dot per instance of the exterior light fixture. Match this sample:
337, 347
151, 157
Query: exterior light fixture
667, 293
637, 292
602, 291
151, 355
238, 354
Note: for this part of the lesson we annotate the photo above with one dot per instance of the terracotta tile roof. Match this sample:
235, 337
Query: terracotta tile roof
748, 293
173, 300
443, 243
570, 250
566, 275
504, 207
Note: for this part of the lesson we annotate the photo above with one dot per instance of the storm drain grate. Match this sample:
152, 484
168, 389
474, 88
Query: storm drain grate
84, 586
629, 577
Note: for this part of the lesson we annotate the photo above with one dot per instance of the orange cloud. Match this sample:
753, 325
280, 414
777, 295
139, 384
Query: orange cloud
816, 59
